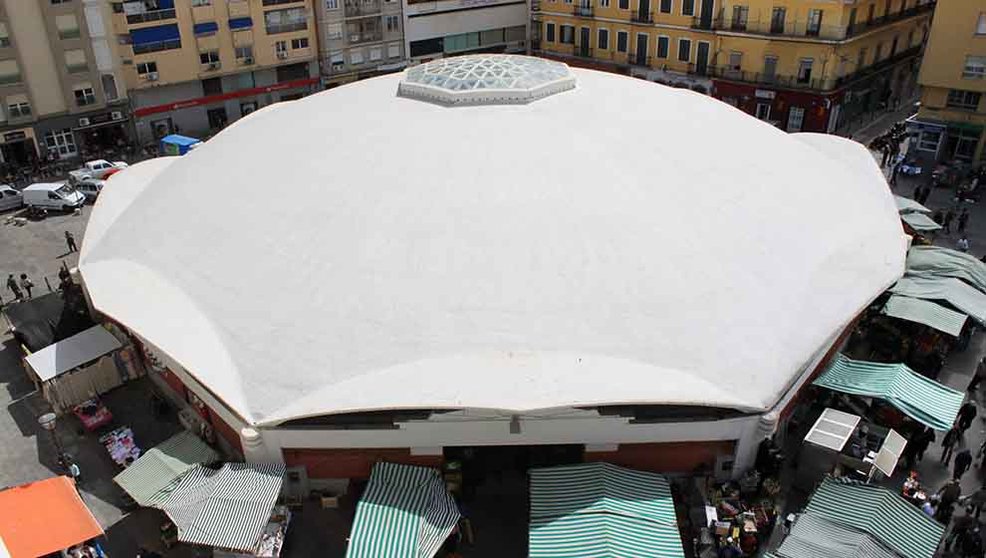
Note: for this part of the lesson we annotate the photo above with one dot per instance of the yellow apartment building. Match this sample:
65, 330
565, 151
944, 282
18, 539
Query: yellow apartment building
193, 66
949, 124
61, 89
803, 65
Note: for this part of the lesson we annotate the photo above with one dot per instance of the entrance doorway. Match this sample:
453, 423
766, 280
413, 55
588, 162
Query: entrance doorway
642, 49
702, 59
643, 11
217, 118
18, 154
705, 16
584, 42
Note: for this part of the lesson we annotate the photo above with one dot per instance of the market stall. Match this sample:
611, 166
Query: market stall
176, 144
957, 293
933, 261
47, 517
927, 313
919, 222
92, 414
151, 478
120, 445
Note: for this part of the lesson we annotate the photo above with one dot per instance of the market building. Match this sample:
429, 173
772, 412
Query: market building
486, 304
801, 65
195, 67
949, 124
359, 39
61, 86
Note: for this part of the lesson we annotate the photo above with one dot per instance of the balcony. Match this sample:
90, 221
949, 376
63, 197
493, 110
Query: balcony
77, 68
878, 67
67, 34
803, 28
274, 29
367, 37
864, 26
638, 60
582, 11
210, 67
156, 15
789, 82
10, 78
703, 23
362, 9
642, 17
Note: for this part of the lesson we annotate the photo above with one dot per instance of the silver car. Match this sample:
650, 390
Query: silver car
10, 198
90, 188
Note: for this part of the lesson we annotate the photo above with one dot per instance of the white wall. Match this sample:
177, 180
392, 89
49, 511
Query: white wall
438, 24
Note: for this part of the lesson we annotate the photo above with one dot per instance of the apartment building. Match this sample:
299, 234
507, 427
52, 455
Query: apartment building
61, 86
803, 65
438, 28
359, 39
194, 66
950, 122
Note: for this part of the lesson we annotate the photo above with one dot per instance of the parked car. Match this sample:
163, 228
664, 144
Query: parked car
10, 198
90, 188
99, 168
53, 195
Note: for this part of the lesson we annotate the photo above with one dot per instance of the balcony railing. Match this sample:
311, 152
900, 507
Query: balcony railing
863, 26
367, 37
582, 11
700, 22
10, 78
803, 28
360, 9
635, 59
155, 47
641, 17
275, 28
878, 67
65, 34
156, 15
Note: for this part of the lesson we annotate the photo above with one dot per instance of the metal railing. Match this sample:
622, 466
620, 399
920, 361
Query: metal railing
803, 28
637, 16
863, 26
359, 9
365, 37
275, 28
155, 47
700, 22
69, 34
156, 15
582, 11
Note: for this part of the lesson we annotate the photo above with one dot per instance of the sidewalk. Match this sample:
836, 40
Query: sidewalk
867, 130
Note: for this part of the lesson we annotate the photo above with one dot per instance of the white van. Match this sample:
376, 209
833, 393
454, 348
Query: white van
54, 195
10, 198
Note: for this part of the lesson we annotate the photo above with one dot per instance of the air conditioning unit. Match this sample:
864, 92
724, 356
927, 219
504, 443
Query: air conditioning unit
116, 115
83, 122
152, 76
248, 60
214, 66
282, 54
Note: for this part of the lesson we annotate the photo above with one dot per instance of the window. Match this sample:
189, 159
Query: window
337, 61
663, 46
334, 31
375, 54
795, 119
201, 3
299, 43
4, 35
763, 111
602, 40
355, 57
84, 96
567, 33
212, 86
393, 51
603, 3
210, 57
68, 26
929, 140
769, 67
549, 32
981, 24
622, 38
19, 109
804, 70
684, 50
869, 15
244, 52
975, 67
144, 68
331, 4
861, 59
666, 6
777, 17
285, 21
688, 7
624, 4
814, 23
893, 45
109, 87
280, 46
886, 8
393, 23
735, 61
740, 16
965, 100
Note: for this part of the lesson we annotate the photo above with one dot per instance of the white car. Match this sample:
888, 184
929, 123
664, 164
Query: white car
10, 198
98, 168
90, 188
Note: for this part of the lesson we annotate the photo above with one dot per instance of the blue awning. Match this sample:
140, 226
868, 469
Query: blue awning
240, 23
165, 4
158, 34
206, 28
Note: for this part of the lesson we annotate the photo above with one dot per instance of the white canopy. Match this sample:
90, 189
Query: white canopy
60, 357
597, 246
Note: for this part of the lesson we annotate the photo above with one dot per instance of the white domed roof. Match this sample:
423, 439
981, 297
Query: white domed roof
618, 243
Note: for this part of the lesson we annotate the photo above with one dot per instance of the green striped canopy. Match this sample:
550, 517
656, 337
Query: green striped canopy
405, 512
932, 261
926, 312
818, 537
920, 398
877, 511
599, 510
957, 293
150, 478
920, 222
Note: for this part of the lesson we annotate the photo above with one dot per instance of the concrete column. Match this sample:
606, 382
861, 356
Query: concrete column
254, 448
746, 449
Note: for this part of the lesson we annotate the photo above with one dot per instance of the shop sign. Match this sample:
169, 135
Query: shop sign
765, 94
14, 136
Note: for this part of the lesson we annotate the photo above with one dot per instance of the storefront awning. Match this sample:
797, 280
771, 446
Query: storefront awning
926, 312
960, 295
73, 352
228, 508
907, 205
920, 398
879, 512
932, 261
405, 512
920, 222
601, 510
151, 478
44, 517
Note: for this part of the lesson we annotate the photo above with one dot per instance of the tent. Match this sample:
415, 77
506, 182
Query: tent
920, 222
43, 320
226, 508
44, 517
925, 312
920, 398
932, 261
601, 510
405, 512
957, 293
152, 477
906, 205
52, 364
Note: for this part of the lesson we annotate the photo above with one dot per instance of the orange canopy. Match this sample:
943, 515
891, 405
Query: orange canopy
44, 517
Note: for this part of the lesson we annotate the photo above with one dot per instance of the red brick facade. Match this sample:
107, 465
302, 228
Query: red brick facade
671, 457
352, 463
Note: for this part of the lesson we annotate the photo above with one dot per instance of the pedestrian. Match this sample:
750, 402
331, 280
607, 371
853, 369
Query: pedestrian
960, 527
947, 223
976, 500
917, 193
893, 174
967, 412
923, 439
977, 378
948, 495
972, 544
963, 219
75, 472
13, 287
948, 444
963, 460
70, 240
26, 284
938, 216
926, 194
962, 244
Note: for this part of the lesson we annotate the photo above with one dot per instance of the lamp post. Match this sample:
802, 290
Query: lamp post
47, 421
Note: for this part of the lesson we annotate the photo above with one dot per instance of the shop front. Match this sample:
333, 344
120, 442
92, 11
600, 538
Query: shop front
18, 147
789, 110
102, 132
